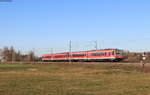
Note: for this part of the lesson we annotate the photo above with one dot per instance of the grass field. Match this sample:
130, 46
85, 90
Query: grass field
73, 79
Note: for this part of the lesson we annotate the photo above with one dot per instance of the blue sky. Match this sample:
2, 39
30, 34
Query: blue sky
28, 24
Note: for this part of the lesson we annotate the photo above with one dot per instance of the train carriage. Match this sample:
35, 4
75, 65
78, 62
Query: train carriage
101, 55
75, 56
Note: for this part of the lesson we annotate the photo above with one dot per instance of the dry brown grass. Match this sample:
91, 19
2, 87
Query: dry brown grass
73, 79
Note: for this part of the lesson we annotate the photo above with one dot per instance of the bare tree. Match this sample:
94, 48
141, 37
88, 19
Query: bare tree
31, 56
11, 55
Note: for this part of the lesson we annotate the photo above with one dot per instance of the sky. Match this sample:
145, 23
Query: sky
45, 24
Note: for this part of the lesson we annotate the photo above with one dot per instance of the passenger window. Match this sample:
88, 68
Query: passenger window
113, 53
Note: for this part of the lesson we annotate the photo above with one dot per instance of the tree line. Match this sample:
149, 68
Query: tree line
9, 54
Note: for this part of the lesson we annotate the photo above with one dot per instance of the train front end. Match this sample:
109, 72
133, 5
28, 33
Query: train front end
119, 55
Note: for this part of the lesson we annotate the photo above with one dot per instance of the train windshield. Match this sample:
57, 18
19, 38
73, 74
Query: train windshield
119, 52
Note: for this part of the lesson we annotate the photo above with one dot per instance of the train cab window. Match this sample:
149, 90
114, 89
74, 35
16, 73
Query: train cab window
119, 53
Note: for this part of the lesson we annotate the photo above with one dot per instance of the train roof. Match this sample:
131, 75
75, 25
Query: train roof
81, 51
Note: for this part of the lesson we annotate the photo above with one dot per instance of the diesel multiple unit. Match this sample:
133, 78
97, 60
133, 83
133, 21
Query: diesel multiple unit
94, 55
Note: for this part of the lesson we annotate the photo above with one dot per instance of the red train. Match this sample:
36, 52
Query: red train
94, 55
